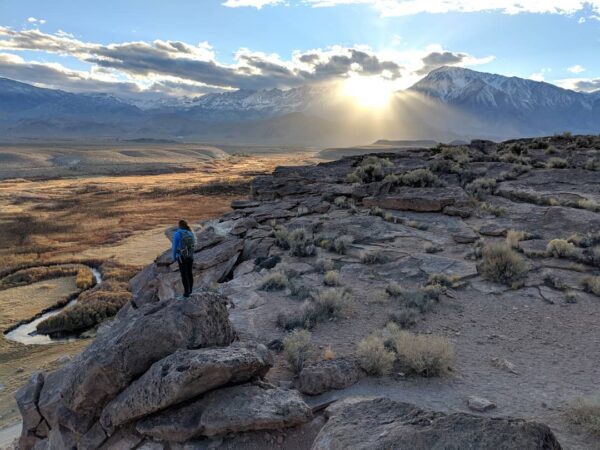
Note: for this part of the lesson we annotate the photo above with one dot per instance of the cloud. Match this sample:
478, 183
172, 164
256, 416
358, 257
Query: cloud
252, 3
437, 59
580, 84
411, 7
576, 69
180, 68
36, 21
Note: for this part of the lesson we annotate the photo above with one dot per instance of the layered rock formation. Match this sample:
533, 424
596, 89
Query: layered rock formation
167, 372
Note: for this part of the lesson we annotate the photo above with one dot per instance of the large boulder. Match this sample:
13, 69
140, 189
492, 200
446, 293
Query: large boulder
73, 397
383, 423
185, 375
229, 410
324, 376
27, 398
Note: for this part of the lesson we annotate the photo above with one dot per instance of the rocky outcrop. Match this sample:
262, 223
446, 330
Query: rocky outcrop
231, 410
384, 423
328, 375
420, 199
148, 360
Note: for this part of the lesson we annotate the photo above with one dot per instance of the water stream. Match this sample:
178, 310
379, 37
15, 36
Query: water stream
27, 333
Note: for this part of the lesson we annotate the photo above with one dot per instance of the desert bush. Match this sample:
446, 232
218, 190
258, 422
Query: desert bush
420, 299
295, 348
514, 158
324, 265
374, 357
513, 237
302, 211
476, 251
392, 178
497, 211
552, 281
592, 284
593, 164
328, 354
501, 264
551, 150
425, 355
441, 279
274, 281
418, 225
376, 211
571, 297
419, 178
405, 317
341, 201
588, 204
374, 257
481, 187
330, 303
301, 243
342, 243
539, 144
281, 237
456, 154
561, 248
433, 248
332, 278
394, 289
586, 413
298, 289
369, 170
84, 279
557, 163
585, 240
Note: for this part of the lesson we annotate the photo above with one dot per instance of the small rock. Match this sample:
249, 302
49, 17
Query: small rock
479, 404
504, 364
20, 370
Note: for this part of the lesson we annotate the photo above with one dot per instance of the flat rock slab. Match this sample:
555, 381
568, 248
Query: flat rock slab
185, 375
479, 404
419, 199
385, 424
327, 375
230, 410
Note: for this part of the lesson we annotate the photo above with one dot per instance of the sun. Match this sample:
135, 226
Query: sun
369, 92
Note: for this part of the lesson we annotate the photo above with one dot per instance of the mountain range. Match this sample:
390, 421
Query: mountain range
449, 103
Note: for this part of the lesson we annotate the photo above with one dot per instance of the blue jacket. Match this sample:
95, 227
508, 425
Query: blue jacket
177, 241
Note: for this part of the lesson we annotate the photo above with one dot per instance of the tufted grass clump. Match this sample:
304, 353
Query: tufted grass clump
331, 303
275, 281
370, 169
374, 257
588, 204
503, 265
332, 278
425, 355
324, 265
405, 317
586, 413
592, 284
498, 211
301, 243
374, 357
342, 243
430, 247
561, 248
419, 178
513, 237
281, 237
442, 279
419, 299
556, 163
481, 186
295, 348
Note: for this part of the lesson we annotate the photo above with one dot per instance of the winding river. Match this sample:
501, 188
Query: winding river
27, 333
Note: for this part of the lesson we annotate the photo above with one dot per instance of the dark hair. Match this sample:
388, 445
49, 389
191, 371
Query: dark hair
183, 224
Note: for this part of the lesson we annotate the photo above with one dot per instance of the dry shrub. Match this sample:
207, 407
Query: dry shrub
513, 237
374, 357
590, 205
481, 187
328, 353
557, 163
342, 243
586, 413
301, 243
592, 284
84, 279
275, 281
419, 178
561, 248
325, 265
425, 355
332, 278
405, 318
497, 211
295, 348
371, 168
503, 265
433, 248
374, 257
331, 303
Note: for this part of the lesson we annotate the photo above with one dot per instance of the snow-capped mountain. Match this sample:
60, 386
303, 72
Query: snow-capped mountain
449, 103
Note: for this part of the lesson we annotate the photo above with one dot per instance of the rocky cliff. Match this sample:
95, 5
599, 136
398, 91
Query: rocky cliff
326, 248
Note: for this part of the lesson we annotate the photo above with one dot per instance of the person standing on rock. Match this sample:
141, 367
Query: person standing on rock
184, 244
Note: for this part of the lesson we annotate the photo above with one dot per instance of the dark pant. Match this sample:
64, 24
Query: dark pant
187, 276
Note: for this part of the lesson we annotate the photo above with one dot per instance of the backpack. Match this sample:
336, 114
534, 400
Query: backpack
187, 245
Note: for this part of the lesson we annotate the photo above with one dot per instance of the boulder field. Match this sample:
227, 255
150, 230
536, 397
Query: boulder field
209, 371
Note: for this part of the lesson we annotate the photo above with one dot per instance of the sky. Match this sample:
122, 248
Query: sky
193, 47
